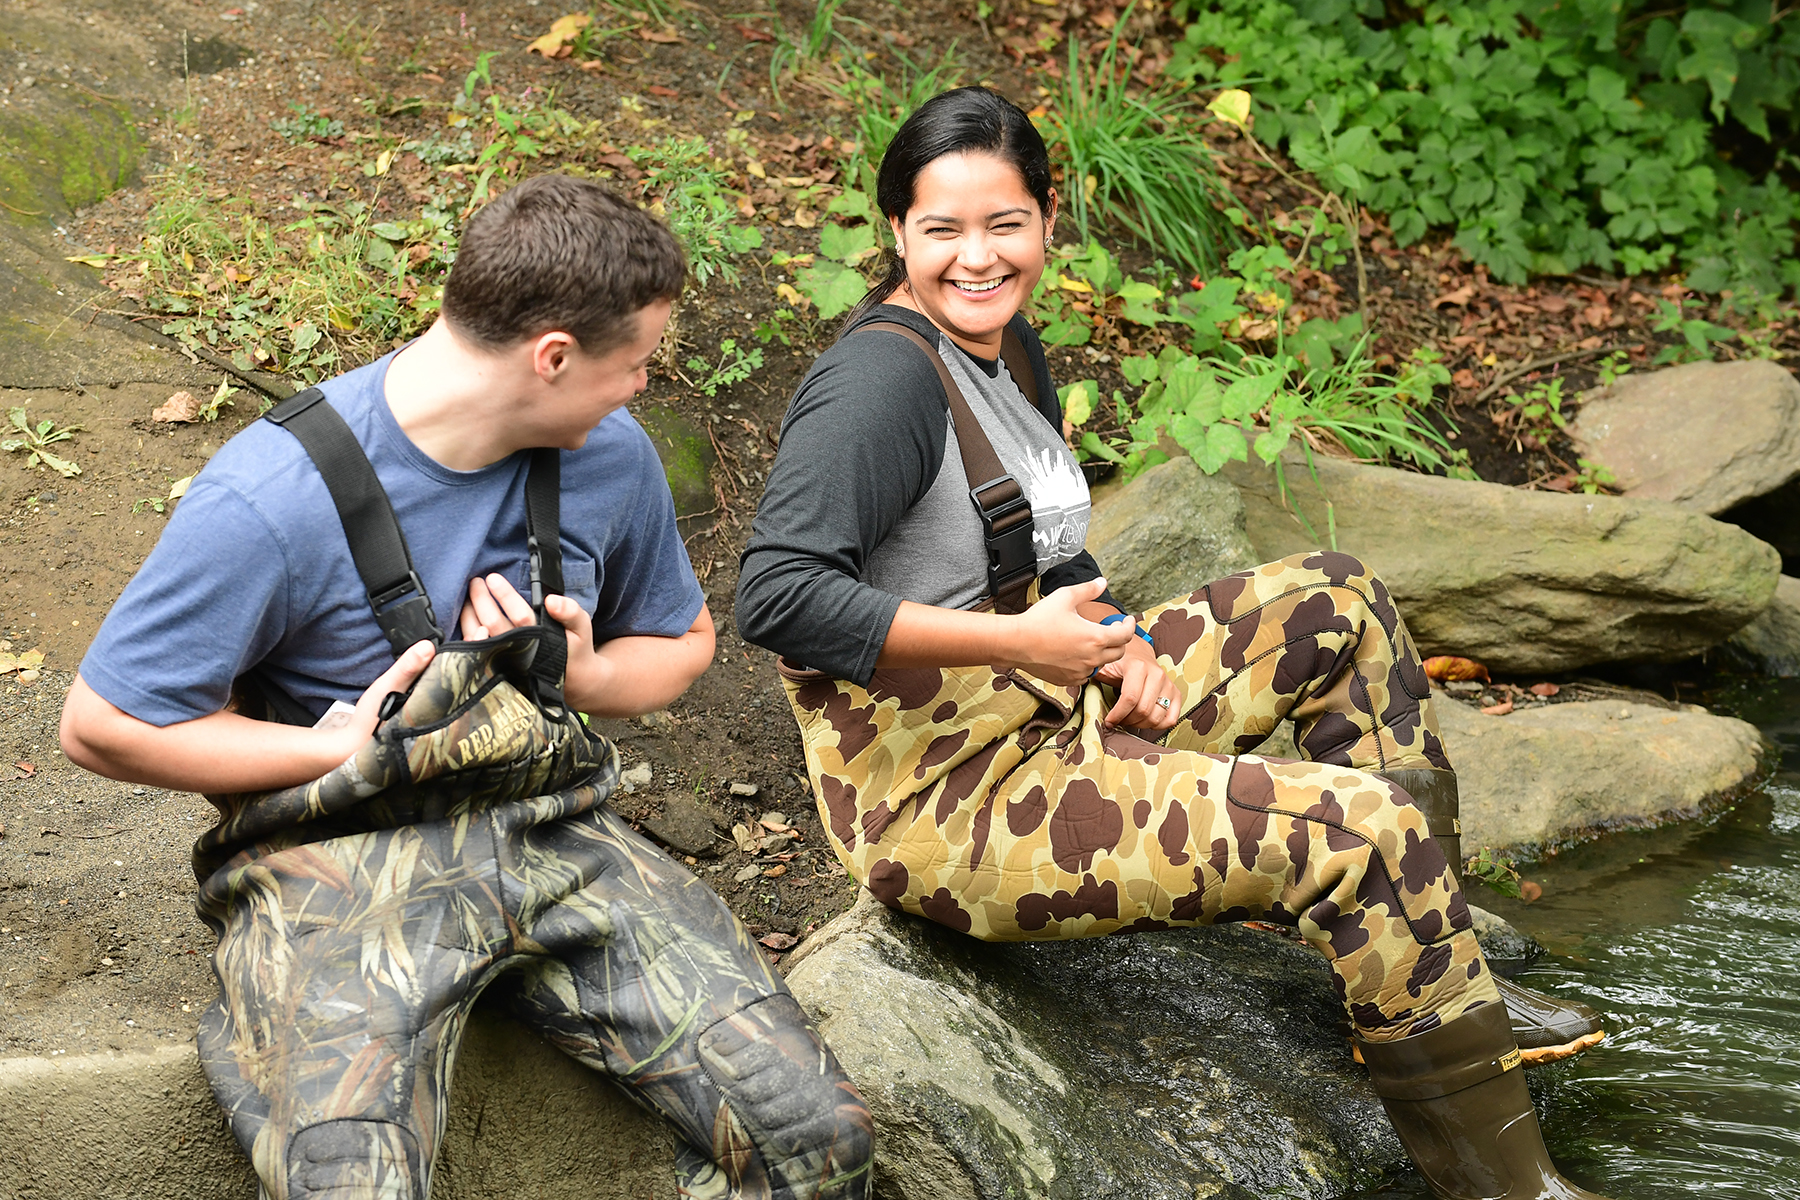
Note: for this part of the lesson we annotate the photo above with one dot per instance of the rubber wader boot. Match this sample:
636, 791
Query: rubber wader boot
1457, 1098
1545, 1027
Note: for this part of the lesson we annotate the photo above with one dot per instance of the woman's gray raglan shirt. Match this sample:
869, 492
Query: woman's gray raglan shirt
867, 503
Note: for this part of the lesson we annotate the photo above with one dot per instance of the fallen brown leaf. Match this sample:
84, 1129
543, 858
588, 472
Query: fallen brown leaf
1529, 891
1460, 297
754, 35
657, 89
664, 36
25, 769
177, 409
1544, 689
1449, 667
779, 941
1500, 709
563, 30
776, 871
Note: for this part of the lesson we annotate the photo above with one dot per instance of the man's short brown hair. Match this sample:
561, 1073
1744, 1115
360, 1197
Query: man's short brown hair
557, 253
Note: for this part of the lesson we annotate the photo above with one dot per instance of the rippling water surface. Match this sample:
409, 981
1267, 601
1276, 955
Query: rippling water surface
1688, 940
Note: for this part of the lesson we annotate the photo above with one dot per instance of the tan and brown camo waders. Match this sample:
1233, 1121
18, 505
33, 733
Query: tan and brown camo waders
468, 845
1004, 806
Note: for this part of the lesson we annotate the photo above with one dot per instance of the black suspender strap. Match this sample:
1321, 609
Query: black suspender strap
543, 545
1004, 508
402, 608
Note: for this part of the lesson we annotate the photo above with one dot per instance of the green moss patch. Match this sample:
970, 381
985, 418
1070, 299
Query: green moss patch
65, 159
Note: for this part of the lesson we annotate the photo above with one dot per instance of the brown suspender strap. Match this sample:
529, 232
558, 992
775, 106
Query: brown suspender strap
1004, 508
1018, 365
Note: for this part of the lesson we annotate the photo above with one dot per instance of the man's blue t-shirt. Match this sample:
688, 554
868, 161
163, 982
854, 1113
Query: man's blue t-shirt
253, 567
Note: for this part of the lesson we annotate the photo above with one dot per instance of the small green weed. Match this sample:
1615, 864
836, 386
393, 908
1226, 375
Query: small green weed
734, 366
1591, 477
833, 281
306, 125
1501, 874
35, 440
1536, 414
1699, 335
1613, 367
209, 410
688, 187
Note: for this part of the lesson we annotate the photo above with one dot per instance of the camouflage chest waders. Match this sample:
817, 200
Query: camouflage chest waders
468, 844
1003, 806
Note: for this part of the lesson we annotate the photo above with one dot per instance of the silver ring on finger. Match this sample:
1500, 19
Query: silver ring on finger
1164, 701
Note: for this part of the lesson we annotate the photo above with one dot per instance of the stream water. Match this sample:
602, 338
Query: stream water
1688, 940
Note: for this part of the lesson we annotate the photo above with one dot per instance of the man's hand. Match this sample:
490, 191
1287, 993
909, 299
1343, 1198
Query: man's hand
223, 752
622, 678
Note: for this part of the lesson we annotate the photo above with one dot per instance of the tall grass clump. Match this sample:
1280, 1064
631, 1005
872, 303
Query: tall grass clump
1137, 160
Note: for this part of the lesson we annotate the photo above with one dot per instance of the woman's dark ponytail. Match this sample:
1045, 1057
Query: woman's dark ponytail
958, 121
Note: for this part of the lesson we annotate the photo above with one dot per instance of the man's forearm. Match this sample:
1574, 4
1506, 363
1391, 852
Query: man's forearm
645, 673
223, 752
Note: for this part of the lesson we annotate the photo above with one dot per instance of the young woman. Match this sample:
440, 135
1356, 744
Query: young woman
998, 748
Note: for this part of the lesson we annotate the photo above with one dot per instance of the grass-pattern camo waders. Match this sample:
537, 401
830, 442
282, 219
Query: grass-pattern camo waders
1004, 806
469, 844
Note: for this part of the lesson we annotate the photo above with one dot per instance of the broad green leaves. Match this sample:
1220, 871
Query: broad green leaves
1550, 134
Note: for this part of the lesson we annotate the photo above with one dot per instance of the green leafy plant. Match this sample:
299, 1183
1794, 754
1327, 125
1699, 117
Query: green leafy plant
1500, 874
1537, 413
1549, 134
1137, 158
1612, 368
306, 125
688, 186
833, 281
734, 366
35, 439
791, 53
1591, 477
881, 101
1221, 411
1083, 284
209, 409
1698, 335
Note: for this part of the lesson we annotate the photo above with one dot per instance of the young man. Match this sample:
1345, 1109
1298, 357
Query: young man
372, 874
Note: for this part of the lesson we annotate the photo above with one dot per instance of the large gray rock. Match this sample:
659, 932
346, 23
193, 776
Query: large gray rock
1163, 1066
524, 1120
1167, 532
1771, 643
1525, 581
1553, 774
1705, 436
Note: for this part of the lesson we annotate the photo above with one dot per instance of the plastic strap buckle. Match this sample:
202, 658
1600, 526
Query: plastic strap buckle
406, 621
1006, 529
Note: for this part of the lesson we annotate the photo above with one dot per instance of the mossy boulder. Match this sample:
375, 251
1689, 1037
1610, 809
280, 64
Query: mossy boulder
65, 155
1523, 581
1162, 1066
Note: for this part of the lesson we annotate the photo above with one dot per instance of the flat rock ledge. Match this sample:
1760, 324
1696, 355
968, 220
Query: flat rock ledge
1208, 1063
524, 1121
1546, 777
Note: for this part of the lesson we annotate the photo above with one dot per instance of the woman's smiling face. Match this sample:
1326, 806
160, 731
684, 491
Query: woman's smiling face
974, 243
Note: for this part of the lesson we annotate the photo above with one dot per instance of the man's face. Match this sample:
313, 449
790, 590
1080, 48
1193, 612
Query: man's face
581, 389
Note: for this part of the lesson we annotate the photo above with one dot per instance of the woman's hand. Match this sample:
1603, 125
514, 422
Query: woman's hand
1141, 683
1053, 641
